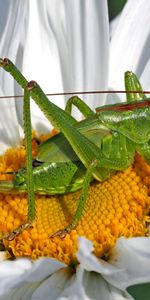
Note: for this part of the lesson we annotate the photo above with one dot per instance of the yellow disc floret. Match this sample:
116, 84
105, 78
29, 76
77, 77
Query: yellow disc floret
114, 208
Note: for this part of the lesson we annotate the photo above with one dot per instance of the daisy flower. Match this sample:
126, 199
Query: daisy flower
71, 52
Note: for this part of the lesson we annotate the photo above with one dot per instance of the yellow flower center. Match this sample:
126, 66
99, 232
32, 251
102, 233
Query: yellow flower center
117, 207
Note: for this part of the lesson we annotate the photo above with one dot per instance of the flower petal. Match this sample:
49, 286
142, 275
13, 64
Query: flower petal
73, 40
24, 292
14, 279
11, 34
145, 79
70, 51
130, 42
83, 285
90, 262
53, 287
132, 256
88, 41
90, 286
10, 272
129, 262
96, 288
42, 268
9, 127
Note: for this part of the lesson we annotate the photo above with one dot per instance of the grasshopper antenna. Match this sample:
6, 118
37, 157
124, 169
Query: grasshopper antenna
83, 93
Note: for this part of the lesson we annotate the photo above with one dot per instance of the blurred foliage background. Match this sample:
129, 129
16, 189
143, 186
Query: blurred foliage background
140, 291
115, 7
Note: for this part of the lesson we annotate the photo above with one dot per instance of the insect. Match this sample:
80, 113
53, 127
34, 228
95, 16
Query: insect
94, 148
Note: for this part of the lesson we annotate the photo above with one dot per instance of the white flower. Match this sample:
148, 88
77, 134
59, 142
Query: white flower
94, 278
71, 52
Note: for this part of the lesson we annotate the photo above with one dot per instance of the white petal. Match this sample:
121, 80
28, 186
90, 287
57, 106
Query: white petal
11, 271
145, 78
97, 288
90, 262
53, 286
24, 292
12, 33
9, 127
82, 285
130, 42
113, 25
42, 268
91, 286
14, 267
14, 279
70, 51
88, 40
133, 257
129, 263
49, 288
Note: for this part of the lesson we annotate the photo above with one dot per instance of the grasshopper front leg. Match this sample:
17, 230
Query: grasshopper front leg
29, 170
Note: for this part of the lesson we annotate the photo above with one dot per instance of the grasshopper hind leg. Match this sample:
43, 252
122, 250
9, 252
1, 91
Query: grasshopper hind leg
82, 200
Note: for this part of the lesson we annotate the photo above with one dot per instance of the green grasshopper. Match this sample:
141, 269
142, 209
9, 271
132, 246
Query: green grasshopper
94, 148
